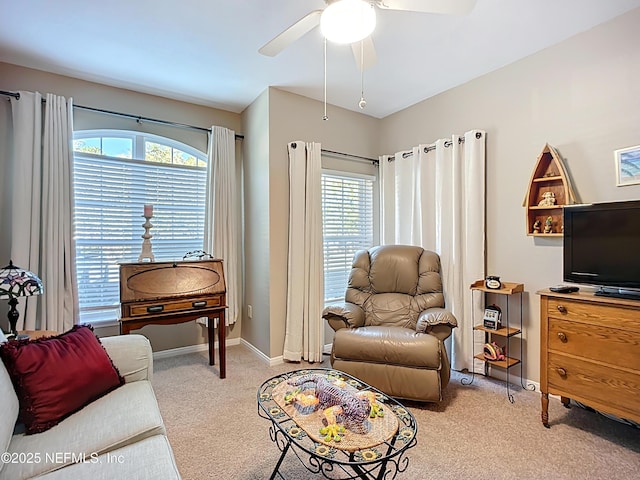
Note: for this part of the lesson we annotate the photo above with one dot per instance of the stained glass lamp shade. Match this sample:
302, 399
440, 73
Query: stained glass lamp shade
16, 282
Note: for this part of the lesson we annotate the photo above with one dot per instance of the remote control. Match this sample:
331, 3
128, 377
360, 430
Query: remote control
564, 289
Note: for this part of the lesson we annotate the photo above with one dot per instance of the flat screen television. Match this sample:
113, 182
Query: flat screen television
602, 247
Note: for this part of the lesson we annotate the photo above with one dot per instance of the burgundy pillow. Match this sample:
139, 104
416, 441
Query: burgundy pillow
57, 376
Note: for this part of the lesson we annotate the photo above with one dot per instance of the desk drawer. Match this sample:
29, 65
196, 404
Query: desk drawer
172, 306
604, 344
600, 383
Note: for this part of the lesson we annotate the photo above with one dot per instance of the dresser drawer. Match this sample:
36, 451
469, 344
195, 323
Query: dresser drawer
171, 306
598, 383
609, 345
607, 315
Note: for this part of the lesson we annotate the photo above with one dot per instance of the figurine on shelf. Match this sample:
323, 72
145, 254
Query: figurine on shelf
548, 200
536, 226
548, 225
494, 352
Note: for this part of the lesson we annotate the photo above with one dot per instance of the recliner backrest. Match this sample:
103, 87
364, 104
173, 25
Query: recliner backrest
394, 283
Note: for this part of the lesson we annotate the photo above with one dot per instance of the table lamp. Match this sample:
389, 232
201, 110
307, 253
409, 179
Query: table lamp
16, 282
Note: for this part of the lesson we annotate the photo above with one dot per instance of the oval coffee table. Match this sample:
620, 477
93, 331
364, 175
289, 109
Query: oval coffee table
378, 454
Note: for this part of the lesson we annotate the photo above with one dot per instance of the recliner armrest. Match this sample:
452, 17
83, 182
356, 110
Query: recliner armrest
436, 321
344, 315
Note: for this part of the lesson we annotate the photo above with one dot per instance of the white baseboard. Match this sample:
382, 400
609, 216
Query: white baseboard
201, 347
273, 361
258, 353
515, 381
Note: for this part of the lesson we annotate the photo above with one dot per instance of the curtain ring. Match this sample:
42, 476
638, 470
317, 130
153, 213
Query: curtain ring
478, 135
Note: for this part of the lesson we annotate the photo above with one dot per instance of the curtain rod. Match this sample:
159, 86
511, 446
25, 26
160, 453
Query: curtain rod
431, 147
350, 156
139, 118
15, 95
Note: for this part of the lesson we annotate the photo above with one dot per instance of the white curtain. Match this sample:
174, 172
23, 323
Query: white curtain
304, 333
435, 198
42, 208
222, 214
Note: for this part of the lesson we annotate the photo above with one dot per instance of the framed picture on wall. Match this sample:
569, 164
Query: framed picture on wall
627, 166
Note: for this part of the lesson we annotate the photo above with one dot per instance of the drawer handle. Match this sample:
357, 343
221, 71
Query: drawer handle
155, 309
562, 309
562, 337
562, 372
201, 303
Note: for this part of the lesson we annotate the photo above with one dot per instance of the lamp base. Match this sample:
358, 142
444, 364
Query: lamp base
13, 316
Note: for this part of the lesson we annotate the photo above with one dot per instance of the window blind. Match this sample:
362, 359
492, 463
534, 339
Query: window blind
109, 198
347, 219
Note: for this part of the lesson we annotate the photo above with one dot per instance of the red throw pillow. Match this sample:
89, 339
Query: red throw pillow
57, 376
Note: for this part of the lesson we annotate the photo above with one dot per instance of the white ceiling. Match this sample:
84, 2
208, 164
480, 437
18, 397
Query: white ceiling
206, 51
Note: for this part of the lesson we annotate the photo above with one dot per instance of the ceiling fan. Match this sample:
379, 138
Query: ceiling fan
353, 21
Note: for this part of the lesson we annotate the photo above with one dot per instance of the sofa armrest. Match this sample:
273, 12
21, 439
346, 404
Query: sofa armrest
341, 315
131, 355
436, 321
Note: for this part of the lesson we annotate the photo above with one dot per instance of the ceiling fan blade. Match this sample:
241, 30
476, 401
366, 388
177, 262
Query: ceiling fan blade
364, 53
291, 34
453, 7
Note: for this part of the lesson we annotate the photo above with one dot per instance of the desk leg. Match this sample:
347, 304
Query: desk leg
210, 329
222, 344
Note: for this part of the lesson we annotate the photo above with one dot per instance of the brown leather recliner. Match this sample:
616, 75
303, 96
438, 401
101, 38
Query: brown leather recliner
390, 330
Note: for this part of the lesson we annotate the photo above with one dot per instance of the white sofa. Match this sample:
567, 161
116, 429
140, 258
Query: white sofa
118, 436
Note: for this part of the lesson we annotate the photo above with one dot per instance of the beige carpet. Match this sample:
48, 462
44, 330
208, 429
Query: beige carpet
475, 433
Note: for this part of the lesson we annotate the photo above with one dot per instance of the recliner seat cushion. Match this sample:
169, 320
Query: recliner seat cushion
388, 345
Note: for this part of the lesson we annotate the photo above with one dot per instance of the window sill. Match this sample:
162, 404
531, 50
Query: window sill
100, 318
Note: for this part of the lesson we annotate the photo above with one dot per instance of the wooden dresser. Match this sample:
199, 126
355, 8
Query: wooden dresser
163, 293
590, 352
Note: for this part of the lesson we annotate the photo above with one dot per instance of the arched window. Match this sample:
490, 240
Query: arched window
116, 173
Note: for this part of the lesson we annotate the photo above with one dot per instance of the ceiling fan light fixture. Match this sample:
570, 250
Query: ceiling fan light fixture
348, 21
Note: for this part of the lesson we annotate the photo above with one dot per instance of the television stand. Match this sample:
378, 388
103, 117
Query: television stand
618, 293
589, 352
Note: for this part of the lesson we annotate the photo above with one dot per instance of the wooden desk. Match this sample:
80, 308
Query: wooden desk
167, 293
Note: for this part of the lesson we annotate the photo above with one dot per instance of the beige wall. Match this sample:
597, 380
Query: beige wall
581, 96
13, 78
257, 217
293, 117
271, 122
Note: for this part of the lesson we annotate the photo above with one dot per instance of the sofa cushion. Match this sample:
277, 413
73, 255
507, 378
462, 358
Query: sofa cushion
56, 376
122, 417
149, 459
10, 406
387, 345
131, 355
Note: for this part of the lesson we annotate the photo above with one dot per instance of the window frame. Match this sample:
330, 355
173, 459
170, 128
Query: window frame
107, 315
375, 209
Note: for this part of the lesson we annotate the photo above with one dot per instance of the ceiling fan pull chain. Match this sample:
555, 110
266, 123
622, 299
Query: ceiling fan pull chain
362, 103
325, 117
